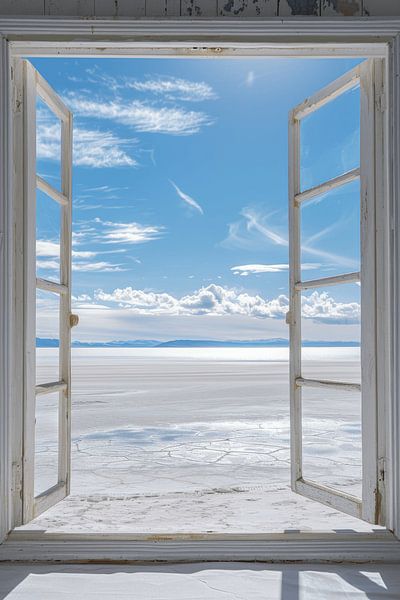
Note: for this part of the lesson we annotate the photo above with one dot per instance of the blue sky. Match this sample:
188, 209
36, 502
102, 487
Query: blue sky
180, 197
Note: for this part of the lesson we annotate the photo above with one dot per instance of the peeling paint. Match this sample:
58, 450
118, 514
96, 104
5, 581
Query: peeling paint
345, 8
200, 8
304, 7
240, 6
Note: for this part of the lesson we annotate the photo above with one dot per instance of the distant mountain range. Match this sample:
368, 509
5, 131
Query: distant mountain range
272, 342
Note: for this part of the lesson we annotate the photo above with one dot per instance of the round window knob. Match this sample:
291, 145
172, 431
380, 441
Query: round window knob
73, 320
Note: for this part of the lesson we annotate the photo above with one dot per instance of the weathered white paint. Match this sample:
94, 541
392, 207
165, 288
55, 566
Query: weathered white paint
344, 8
51, 286
324, 383
33, 86
379, 8
201, 8
357, 38
248, 8
372, 497
122, 8
6, 293
50, 388
51, 191
328, 186
327, 281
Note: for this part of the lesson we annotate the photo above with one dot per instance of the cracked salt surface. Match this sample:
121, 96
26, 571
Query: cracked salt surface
196, 442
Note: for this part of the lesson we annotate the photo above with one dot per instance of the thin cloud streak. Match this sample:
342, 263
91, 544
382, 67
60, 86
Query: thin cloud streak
141, 116
174, 88
128, 233
256, 269
238, 236
186, 198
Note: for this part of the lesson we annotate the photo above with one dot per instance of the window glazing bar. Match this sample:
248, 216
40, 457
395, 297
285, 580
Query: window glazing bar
325, 281
321, 383
327, 186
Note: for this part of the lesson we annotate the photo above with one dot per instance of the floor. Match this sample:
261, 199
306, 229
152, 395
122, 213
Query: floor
203, 581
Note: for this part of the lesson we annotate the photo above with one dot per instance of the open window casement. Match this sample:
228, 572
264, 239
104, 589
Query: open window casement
367, 77
57, 392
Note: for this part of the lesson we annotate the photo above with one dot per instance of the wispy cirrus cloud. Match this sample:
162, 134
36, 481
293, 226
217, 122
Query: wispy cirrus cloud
218, 300
91, 148
48, 253
169, 87
173, 88
83, 266
127, 233
141, 116
254, 230
52, 249
186, 198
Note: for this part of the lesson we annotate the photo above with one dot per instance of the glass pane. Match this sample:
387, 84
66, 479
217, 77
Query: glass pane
46, 442
330, 233
332, 438
331, 331
48, 144
48, 227
330, 140
47, 336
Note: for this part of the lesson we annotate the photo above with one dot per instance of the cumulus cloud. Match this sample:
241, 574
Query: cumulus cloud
91, 148
128, 233
186, 198
256, 269
141, 116
218, 300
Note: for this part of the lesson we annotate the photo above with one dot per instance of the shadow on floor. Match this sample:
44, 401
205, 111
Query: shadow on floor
200, 581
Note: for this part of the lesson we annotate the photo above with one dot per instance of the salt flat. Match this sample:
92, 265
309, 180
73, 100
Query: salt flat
197, 440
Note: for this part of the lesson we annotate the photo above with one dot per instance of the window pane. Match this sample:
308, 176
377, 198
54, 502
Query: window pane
46, 442
332, 438
330, 233
331, 331
47, 336
48, 144
330, 140
48, 227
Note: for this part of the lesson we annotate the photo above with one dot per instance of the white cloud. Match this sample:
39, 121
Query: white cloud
245, 270
91, 148
186, 198
103, 266
129, 233
254, 230
170, 88
52, 249
217, 300
250, 77
174, 88
141, 116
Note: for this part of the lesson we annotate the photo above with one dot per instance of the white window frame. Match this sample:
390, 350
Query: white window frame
29, 86
368, 76
296, 38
